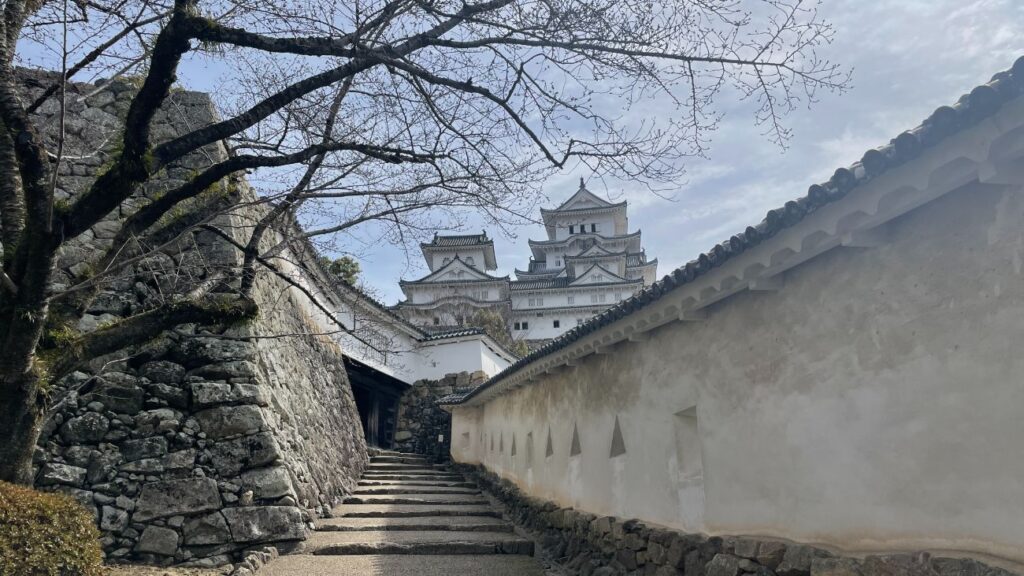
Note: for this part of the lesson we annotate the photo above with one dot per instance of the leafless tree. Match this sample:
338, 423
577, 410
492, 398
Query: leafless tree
404, 113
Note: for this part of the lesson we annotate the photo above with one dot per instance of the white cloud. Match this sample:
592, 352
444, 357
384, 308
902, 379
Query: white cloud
909, 57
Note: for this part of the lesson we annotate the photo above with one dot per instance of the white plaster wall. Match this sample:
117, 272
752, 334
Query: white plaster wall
605, 224
477, 254
874, 403
463, 355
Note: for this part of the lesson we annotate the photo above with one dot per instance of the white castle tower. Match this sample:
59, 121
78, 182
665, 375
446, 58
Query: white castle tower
589, 262
458, 283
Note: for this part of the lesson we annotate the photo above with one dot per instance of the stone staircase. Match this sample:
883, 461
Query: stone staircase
412, 517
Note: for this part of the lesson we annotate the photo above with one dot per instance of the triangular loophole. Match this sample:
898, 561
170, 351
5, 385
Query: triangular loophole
618, 446
549, 450
575, 449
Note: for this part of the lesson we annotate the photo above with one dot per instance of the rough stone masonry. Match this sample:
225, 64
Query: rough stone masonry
423, 427
204, 442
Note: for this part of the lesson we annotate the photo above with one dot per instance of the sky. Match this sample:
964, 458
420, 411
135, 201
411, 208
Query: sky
908, 57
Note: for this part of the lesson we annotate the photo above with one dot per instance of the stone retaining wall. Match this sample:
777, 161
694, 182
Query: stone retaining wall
585, 544
421, 422
203, 442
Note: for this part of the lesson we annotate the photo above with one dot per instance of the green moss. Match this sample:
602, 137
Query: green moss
46, 534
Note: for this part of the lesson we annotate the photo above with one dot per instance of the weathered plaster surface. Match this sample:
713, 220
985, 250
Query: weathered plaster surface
872, 403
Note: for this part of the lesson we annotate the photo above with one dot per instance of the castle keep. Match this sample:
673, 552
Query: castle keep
589, 262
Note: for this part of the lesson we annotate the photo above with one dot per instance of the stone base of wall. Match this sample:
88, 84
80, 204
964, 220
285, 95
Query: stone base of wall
182, 453
588, 545
423, 427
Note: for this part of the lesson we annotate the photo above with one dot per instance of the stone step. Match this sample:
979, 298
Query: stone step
411, 510
411, 565
414, 471
434, 542
384, 466
446, 499
456, 523
416, 484
420, 477
372, 490
399, 460
404, 468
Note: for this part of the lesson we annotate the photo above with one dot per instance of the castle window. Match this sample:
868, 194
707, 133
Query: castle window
556, 324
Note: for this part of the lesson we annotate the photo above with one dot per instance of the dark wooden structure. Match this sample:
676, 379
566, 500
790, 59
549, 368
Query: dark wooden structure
377, 395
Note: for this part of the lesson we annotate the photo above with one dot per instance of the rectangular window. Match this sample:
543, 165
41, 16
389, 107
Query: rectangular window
688, 449
556, 324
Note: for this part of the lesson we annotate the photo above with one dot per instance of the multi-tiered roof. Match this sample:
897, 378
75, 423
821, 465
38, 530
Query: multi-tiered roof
586, 234
458, 282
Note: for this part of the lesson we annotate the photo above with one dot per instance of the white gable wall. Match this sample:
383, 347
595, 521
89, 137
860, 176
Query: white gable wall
473, 256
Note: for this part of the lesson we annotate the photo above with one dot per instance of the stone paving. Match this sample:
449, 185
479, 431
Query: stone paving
409, 517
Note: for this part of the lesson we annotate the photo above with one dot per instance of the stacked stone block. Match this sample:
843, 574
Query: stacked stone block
585, 544
207, 443
422, 426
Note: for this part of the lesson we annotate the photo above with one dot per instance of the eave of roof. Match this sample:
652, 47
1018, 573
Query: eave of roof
486, 277
537, 275
571, 211
563, 283
945, 121
488, 280
457, 240
446, 299
629, 236
466, 332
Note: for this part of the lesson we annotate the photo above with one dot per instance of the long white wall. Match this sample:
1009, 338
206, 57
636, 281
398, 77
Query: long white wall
872, 403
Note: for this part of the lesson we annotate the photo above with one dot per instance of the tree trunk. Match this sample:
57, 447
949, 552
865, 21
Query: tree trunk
21, 420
